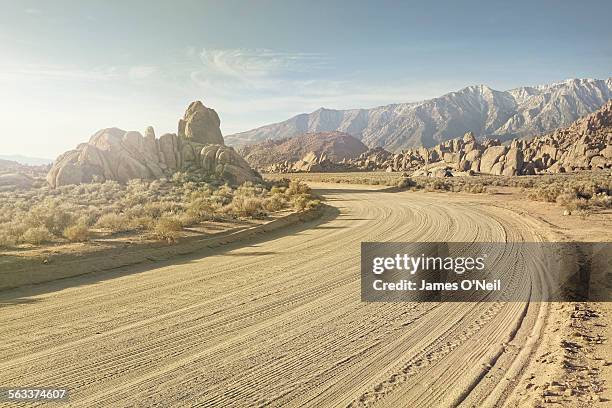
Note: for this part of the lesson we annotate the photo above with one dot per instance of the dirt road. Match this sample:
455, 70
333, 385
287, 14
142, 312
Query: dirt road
278, 321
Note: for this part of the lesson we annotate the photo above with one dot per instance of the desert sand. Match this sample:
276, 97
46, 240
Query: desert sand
278, 320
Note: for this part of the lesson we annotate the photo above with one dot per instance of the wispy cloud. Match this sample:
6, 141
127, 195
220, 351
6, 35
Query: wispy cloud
142, 72
272, 81
61, 73
248, 64
57, 73
255, 73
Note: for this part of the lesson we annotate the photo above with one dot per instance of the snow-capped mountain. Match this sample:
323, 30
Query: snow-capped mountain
520, 112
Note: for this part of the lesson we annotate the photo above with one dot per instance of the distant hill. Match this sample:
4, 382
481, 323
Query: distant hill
336, 146
8, 164
520, 112
30, 161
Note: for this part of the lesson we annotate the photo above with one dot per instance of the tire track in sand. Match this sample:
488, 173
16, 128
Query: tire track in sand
278, 322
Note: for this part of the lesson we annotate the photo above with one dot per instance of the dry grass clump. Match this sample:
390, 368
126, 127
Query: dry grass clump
113, 222
168, 228
77, 233
156, 208
581, 191
375, 178
406, 182
577, 193
36, 235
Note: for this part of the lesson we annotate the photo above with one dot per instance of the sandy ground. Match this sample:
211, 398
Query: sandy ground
278, 321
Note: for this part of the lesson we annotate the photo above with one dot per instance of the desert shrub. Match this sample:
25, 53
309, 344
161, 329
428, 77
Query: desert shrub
247, 206
475, 188
157, 208
303, 202
7, 240
545, 193
36, 235
275, 202
297, 187
142, 222
113, 222
223, 195
277, 190
90, 216
201, 205
438, 184
187, 219
77, 233
15, 229
168, 228
406, 182
50, 215
180, 178
601, 200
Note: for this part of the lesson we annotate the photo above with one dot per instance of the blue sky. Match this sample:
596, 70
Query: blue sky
69, 68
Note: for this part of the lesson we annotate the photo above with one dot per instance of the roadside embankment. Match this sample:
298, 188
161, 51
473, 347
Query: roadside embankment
18, 271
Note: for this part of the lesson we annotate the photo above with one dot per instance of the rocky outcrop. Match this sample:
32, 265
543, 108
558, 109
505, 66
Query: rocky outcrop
584, 145
114, 154
371, 160
310, 163
225, 162
201, 125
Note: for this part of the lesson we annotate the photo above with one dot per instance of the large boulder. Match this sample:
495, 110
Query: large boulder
225, 162
114, 154
514, 161
201, 125
490, 157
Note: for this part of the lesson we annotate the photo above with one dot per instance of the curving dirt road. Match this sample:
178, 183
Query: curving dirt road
278, 321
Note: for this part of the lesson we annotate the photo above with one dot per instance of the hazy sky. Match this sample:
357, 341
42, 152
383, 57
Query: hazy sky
69, 68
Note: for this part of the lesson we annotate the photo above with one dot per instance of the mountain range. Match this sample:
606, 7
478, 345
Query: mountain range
26, 160
520, 112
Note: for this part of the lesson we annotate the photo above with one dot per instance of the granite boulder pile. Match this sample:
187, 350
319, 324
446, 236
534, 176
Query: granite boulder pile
115, 154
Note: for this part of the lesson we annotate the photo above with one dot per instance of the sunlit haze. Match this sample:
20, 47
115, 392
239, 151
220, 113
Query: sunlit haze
69, 68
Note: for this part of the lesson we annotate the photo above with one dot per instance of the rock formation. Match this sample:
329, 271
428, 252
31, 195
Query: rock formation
114, 154
317, 163
201, 125
335, 146
584, 145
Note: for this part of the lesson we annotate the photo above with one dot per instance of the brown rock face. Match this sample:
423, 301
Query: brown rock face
114, 154
336, 146
201, 125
